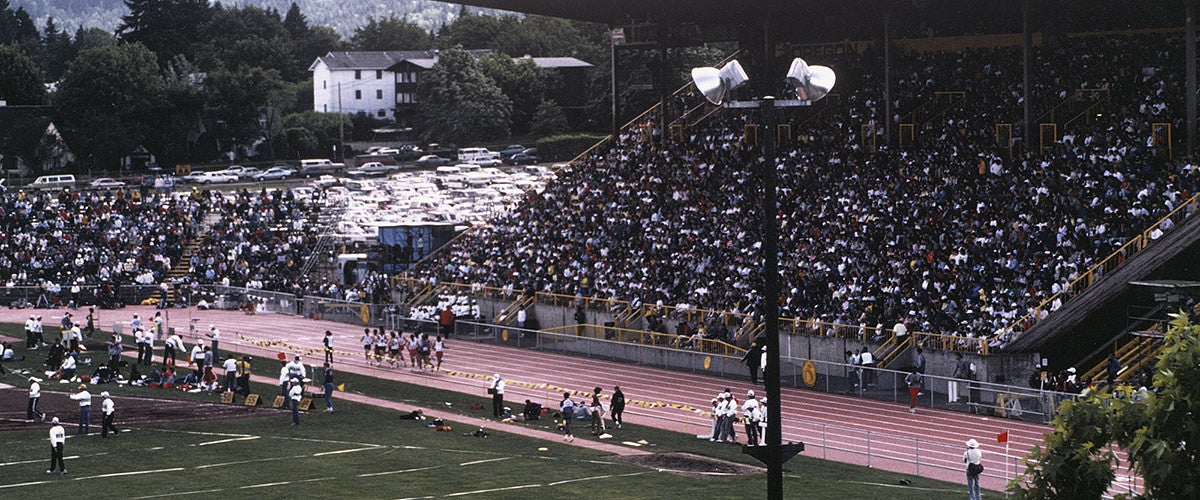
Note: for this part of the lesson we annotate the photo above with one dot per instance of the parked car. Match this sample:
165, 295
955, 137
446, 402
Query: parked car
431, 161
489, 162
210, 177
275, 174
408, 153
512, 150
106, 183
521, 159
371, 169
326, 181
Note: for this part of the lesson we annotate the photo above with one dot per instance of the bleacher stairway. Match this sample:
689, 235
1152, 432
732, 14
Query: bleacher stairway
1087, 322
182, 267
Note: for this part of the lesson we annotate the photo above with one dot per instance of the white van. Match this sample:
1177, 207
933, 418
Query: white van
477, 155
53, 182
447, 170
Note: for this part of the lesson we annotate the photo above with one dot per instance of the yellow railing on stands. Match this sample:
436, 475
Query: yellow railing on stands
666, 340
1114, 260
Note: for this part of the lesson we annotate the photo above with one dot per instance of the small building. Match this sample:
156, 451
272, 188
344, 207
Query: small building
384, 84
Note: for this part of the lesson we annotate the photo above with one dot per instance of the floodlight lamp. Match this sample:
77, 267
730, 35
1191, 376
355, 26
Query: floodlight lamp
716, 84
811, 82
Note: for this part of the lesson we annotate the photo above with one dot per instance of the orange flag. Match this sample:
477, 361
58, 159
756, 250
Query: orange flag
1002, 437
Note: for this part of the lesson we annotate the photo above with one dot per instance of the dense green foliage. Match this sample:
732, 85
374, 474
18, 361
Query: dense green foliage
460, 104
1160, 433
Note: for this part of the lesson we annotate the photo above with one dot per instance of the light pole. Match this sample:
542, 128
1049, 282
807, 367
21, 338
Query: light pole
811, 84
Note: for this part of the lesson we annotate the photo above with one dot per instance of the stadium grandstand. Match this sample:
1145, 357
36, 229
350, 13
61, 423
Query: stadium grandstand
937, 194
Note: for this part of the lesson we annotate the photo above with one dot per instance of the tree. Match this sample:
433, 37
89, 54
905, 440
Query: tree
166, 27
1164, 442
459, 104
58, 49
247, 101
92, 38
247, 36
522, 81
312, 134
391, 33
1159, 433
20, 78
549, 120
16, 27
109, 101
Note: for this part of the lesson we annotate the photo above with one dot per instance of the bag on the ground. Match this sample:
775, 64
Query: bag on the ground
975, 469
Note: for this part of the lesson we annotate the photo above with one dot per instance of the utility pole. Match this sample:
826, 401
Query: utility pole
341, 127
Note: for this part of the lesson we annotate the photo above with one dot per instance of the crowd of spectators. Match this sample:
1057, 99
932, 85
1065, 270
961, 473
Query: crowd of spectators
67, 240
947, 236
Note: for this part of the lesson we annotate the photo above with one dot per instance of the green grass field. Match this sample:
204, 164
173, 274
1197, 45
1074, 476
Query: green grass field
362, 451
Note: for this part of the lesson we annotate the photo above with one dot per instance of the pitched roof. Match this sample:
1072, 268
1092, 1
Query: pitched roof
370, 60
557, 62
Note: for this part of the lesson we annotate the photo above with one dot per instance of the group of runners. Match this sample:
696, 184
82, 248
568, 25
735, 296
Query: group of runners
423, 352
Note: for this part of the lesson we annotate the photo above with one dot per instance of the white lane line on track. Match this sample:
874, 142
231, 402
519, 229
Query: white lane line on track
485, 461
556, 483
403, 471
476, 492
131, 473
282, 483
339, 452
230, 440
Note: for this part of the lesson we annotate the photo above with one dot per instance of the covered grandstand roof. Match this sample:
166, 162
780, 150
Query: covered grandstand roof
808, 20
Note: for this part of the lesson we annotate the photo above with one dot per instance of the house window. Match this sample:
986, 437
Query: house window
324, 108
324, 85
379, 93
358, 74
358, 94
382, 113
378, 74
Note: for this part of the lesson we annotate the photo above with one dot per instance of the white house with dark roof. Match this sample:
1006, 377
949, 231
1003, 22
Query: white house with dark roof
384, 84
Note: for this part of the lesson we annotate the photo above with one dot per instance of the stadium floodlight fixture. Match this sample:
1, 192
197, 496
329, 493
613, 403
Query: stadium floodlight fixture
811, 82
716, 84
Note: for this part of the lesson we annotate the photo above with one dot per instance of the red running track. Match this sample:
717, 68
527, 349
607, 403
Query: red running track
837, 427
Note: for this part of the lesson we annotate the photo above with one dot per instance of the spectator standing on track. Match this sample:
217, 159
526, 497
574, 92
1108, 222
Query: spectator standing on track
108, 409
327, 382
439, 349
85, 409
91, 322
215, 335
751, 415
446, 322
868, 367
921, 369
597, 410
230, 367
914, 389
962, 371
497, 392
135, 323
243, 370
973, 457
171, 349
35, 394
158, 324
328, 343
751, 359
58, 439
568, 414
295, 392
617, 406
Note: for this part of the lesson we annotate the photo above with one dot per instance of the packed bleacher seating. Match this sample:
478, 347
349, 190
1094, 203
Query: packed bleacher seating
950, 235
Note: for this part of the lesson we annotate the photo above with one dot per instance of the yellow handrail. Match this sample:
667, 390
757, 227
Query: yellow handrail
1114, 260
666, 340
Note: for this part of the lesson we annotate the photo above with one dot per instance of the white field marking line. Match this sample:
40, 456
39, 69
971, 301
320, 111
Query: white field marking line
17, 485
416, 498
701, 473
181, 493
198, 433
265, 485
130, 473
884, 485
523, 486
373, 474
339, 452
230, 440
36, 461
485, 461
240, 462
556, 483
220, 434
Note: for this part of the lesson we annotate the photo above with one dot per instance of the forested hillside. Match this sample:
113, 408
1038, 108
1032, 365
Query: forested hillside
341, 15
